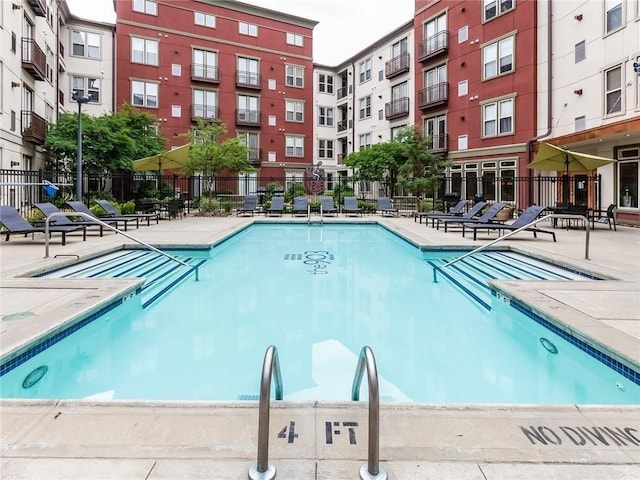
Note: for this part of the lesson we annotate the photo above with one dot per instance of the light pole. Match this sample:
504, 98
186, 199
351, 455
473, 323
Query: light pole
80, 99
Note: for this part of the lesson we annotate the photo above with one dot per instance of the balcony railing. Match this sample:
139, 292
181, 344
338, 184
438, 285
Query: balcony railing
204, 73
397, 65
206, 112
248, 117
342, 125
437, 94
342, 92
34, 127
340, 158
248, 80
33, 59
255, 156
438, 143
434, 45
396, 108
39, 7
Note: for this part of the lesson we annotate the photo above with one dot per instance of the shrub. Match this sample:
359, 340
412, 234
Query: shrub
209, 205
127, 208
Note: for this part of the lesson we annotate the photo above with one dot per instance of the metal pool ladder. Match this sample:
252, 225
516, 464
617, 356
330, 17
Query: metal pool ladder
371, 470
262, 469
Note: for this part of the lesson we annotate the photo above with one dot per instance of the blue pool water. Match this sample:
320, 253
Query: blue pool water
319, 293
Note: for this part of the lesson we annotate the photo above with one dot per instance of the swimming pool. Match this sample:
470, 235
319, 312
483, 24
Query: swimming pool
319, 293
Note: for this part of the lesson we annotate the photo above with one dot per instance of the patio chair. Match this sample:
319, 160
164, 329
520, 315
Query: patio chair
470, 214
276, 207
525, 218
47, 208
327, 207
82, 208
249, 205
145, 205
350, 206
386, 207
487, 217
13, 223
457, 209
112, 211
173, 208
607, 216
300, 206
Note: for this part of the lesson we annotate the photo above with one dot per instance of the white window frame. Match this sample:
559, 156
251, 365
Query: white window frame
294, 111
87, 44
250, 29
325, 83
294, 146
463, 88
495, 112
249, 71
364, 141
295, 39
90, 86
326, 116
610, 89
364, 70
497, 51
326, 148
505, 7
611, 8
248, 107
150, 7
207, 65
147, 90
204, 19
294, 76
205, 103
145, 49
364, 107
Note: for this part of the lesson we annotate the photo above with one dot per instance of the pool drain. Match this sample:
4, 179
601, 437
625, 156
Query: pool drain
35, 376
548, 345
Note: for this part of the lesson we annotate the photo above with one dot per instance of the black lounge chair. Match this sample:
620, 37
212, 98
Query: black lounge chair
524, 219
486, 217
457, 210
47, 208
470, 214
386, 207
300, 206
350, 206
327, 207
13, 223
112, 212
249, 205
276, 207
82, 208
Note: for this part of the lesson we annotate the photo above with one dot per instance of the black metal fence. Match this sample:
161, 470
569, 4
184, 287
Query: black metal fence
21, 188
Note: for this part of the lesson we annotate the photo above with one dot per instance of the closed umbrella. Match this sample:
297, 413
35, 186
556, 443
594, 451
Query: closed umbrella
171, 159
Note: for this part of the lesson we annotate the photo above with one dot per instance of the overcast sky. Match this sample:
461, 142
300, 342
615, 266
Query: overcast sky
345, 26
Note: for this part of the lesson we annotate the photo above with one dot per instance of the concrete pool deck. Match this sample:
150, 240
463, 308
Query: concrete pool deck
138, 440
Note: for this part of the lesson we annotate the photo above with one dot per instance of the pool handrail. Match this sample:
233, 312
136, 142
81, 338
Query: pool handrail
110, 227
262, 470
371, 470
517, 230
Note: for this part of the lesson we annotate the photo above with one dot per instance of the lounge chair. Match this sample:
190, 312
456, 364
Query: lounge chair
13, 222
111, 211
47, 208
385, 206
327, 207
249, 205
471, 213
486, 217
82, 208
524, 219
457, 209
276, 207
300, 206
350, 206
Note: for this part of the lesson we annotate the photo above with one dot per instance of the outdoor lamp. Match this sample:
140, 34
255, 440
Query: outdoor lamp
80, 99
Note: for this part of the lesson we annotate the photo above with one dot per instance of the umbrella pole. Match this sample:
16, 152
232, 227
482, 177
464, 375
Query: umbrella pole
565, 179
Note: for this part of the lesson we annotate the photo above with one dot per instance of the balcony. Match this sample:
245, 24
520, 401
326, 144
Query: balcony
204, 73
33, 59
34, 127
397, 65
434, 95
396, 108
248, 80
39, 7
251, 118
438, 143
342, 125
62, 67
342, 92
255, 156
205, 112
433, 46
341, 157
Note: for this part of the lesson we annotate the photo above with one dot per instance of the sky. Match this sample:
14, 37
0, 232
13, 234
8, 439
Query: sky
345, 26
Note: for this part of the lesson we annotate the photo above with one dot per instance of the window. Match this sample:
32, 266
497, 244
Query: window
613, 15
325, 83
613, 90
325, 148
146, 6
498, 58
144, 94
294, 39
628, 164
463, 34
399, 48
248, 29
205, 64
294, 146
144, 51
396, 131
365, 70
435, 130
176, 111
364, 141
463, 142
13, 42
463, 88
580, 123
294, 111
325, 116
176, 69
497, 118
86, 86
579, 50
85, 44
205, 104
248, 71
294, 76
248, 109
252, 141
205, 19
365, 107
491, 8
